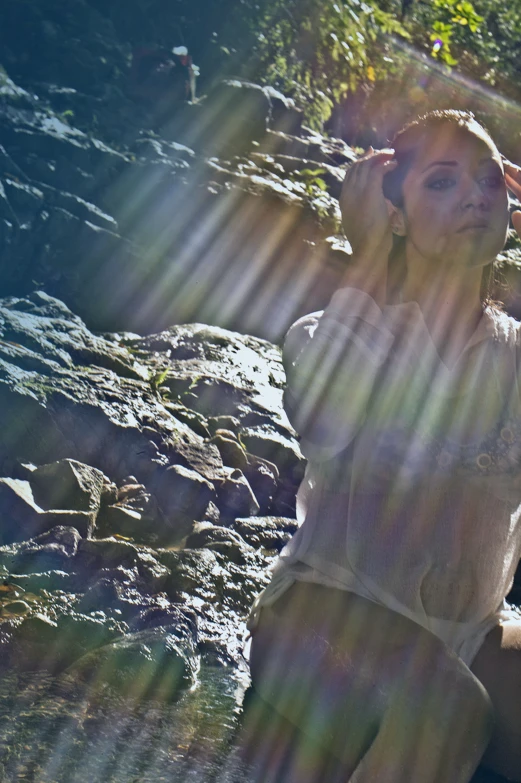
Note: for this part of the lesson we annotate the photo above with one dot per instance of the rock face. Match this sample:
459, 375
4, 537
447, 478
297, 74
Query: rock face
146, 482
134, 470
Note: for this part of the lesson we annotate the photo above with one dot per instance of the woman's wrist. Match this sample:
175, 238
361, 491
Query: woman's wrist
368, 272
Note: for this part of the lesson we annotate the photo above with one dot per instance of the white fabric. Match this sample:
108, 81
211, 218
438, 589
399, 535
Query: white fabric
416, 502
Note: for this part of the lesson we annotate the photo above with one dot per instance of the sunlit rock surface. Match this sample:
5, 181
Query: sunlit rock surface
146, 483
130, 549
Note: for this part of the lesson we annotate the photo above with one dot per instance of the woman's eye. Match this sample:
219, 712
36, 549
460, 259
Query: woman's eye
441, 183
493, 181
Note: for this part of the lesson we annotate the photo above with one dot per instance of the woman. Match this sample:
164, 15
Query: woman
383, 635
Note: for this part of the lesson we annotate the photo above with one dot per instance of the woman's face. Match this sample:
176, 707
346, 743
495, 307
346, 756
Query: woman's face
455, 203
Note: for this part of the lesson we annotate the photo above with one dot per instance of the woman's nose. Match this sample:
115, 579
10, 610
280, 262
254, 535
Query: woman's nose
474, 195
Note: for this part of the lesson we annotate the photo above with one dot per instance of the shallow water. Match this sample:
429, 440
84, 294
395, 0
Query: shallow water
55, 731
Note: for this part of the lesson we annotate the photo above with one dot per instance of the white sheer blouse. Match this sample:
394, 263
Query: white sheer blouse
412, 493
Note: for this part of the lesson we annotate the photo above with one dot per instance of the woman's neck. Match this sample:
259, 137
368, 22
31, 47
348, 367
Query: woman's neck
451, 306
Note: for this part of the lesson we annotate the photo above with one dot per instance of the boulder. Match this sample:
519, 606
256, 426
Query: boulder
68, 484
241, 110
235, 496
22, 518
219, 539
263, 477
269, 444
49, 551
183, 496
266, 532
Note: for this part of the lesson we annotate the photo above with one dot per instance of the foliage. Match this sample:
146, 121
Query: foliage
321, 51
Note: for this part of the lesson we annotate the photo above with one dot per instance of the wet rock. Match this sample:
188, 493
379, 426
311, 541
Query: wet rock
235, 496
263, 477
70, 485
50, 551
266, 532
183, 496
231, 451
269, 444
39, 642
153, 664
218, 539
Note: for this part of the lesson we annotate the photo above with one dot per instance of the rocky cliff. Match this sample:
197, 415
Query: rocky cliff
147, 469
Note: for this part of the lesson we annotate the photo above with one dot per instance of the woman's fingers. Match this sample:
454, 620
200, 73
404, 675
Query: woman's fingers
516, 222
513, 183
373, 167
512, 176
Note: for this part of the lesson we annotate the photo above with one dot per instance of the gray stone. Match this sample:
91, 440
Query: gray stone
235, 497
219, 539
183, 496
266, 532
68, 484
267, 443
23, 518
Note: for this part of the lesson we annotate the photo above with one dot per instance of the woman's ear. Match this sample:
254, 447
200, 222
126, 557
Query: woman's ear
397, 219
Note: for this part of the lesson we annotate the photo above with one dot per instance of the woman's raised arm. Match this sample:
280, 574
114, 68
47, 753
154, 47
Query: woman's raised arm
332, 358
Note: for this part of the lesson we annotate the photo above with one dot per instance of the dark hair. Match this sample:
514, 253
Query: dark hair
405, 145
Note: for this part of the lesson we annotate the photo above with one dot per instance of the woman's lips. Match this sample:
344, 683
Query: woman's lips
473, 227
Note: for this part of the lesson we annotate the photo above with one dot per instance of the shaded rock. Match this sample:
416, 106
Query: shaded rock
231, 451
151, 664
122, 520
50, 551
183, 496
241, 109
229, 423
39, 642
95, 555
263, 477
109, 492
218, 539
267, 443
50, 581
121, 594
284, 502
22, 518
235, 496
81, 520
212, 513
284, 115
164, 616
267, 532
70, 485
195, 421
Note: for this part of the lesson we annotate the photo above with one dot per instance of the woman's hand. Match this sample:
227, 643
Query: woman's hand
513, 182
366, 221
365, 213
